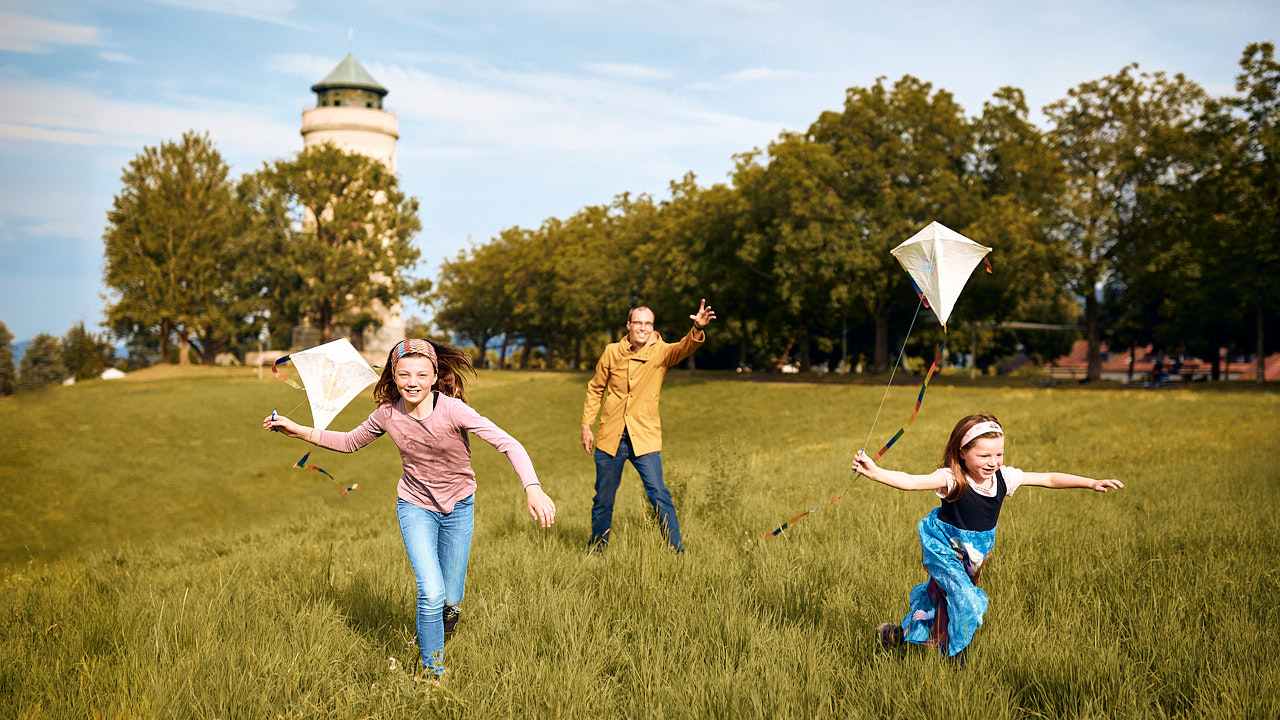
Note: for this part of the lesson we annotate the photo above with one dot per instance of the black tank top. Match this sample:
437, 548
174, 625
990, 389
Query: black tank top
974, 511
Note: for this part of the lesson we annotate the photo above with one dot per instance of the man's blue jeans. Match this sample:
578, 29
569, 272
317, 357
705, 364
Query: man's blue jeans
438, 546
609, 476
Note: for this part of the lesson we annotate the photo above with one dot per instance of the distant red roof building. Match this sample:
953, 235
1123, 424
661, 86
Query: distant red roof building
1115, 365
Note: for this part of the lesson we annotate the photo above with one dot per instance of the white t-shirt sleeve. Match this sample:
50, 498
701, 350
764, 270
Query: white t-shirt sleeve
951, 482
1012, 478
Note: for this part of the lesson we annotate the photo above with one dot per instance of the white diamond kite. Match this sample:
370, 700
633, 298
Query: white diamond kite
333, 374
940, 261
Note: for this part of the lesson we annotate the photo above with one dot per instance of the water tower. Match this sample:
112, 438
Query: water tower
349, 114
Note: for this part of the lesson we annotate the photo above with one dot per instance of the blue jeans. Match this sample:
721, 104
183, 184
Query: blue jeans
438, 545
609, 476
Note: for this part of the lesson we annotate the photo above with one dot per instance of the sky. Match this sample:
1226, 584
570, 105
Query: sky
509, 112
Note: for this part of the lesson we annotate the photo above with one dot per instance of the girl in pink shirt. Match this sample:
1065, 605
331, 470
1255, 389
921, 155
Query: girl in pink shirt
422, 405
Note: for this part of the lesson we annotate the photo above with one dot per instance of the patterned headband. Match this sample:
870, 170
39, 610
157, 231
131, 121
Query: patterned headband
415, 346
981, 428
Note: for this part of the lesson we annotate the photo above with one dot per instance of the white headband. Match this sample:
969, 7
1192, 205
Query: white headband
981, 428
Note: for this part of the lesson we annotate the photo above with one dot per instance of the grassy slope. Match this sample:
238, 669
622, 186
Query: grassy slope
162, 560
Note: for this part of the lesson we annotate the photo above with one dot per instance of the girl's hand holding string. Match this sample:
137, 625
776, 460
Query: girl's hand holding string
862, 463
283, 425
540, 506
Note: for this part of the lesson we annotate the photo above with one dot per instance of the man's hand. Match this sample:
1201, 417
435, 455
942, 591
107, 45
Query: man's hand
588, 440
704, 315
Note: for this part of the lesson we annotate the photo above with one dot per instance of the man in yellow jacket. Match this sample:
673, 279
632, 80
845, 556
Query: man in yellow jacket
629, 379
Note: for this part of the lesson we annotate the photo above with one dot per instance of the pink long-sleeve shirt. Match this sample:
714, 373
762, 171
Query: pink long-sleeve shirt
435, 452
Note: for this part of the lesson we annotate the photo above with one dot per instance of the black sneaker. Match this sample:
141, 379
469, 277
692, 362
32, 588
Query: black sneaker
451, 615
889, 635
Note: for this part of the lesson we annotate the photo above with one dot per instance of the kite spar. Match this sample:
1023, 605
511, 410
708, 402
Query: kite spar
332, 375
939, 261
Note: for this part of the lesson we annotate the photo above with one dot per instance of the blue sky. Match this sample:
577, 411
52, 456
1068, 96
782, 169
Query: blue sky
510, 112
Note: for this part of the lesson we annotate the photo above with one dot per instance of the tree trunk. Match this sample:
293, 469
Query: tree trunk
786, 353
973, 350
881, 315
525, 353
1261, 363
184, 346
1133, 359
577, 352
806, 361
1095, 340
502, 351
483, 342
164, 342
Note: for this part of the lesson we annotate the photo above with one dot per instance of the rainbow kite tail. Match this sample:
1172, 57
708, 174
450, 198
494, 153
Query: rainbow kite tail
303, 465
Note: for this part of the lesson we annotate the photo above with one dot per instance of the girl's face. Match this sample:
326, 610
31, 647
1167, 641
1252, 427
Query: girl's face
414, 376
983, 458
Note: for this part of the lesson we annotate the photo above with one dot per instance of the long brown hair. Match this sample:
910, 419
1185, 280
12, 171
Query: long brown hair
452, 367
953, 458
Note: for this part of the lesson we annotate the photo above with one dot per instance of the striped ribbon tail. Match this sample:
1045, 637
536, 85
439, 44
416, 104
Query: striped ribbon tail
302, 465
937, 361
275, 370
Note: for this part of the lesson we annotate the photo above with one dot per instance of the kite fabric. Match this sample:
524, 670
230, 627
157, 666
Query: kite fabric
332, 375
940, 261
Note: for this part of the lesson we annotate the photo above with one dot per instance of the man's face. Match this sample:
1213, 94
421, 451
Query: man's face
640, 327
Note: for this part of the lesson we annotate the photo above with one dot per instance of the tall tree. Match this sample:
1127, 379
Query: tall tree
1018, 177
798, 237
1120, 137
6, 360
903, 153
1252, 258
84, 354
41, 363
335, 230
171, 243
471, 298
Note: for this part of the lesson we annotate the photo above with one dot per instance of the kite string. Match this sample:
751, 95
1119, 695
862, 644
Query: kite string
892, 372
937, 362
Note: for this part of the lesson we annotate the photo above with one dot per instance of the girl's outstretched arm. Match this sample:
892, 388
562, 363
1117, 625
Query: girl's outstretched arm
1059, 481
895, 478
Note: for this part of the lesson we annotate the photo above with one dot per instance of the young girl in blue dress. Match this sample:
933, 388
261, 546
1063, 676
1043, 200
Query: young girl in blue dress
958, 535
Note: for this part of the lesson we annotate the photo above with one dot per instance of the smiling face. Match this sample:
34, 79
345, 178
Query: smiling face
983, 457
414, 376
640, 326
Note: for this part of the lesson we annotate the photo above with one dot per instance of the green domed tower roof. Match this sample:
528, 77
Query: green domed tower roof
349, 74
349, 84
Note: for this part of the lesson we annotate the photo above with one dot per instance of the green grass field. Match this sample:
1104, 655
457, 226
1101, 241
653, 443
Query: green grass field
160, 558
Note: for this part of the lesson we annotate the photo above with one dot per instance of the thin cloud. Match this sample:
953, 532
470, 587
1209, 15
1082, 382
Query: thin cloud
272, 11
528, 113
628, 71
759, 74
118, 57
71, 116
30, 34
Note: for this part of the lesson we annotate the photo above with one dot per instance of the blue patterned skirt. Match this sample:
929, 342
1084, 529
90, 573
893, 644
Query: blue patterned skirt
946, 610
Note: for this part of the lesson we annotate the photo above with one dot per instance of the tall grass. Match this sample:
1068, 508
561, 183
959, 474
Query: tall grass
161, 559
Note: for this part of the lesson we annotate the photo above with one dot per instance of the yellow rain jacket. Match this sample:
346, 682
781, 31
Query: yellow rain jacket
631, 384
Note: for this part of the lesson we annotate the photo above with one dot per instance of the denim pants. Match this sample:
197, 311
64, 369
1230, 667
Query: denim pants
438, 546
609, 476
